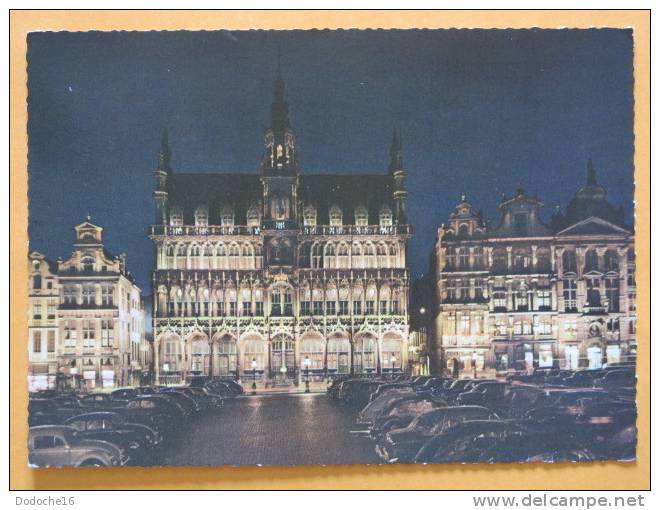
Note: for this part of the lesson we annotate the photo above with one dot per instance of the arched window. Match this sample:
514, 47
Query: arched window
282, 355
591, 260
200, 356
369, 255
336, 217
611, 260
339, 355
248, 256
234, 256
385, 216
171, 355
281, 301
361, 216
463, 230
329, 256
569, 262
357, 260
202, 216
312, 349
254, 350
227, 356
381, 251
176, 217
309, 216
342, 256
364, 355
317, 256
391, 356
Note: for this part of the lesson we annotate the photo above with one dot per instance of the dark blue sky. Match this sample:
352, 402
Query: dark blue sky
481, 111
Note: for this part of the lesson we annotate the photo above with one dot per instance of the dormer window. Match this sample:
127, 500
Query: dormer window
88, 264
520, 223
385, 217
309, 216
202, 216
253, 218
336, 219
176, 217
361, 216
227, 216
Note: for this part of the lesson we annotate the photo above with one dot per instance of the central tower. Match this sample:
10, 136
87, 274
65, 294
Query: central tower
279, 178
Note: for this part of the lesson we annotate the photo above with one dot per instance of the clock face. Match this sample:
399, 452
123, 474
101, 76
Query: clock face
594, 330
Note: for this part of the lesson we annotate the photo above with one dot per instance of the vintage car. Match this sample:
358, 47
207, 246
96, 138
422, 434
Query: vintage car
135, 438
59, 445
401, 445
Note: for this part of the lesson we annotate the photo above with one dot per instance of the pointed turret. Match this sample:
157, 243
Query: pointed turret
591, 173
398, 174
162, 172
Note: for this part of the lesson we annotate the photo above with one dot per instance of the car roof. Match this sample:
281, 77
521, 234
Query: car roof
97, 414
44, 429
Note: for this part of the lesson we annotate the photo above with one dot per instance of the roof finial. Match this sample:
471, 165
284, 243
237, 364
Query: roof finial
591, 173
88, 217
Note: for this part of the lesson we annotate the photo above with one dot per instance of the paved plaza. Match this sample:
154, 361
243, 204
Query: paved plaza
290, 428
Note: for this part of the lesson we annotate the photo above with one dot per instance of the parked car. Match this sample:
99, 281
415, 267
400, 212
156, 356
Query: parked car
614, 379
546, 447
99, 401
465, 441
133, 438
378, 406
402, 445
400, 413
59, 445
124, 394
188, 404
47, 411
154, 411
480, 394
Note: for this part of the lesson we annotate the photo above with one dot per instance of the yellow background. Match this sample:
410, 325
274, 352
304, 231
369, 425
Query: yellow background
609, 475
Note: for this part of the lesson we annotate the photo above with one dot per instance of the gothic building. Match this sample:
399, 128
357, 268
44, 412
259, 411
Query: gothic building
526, 295
86, 323
270, 274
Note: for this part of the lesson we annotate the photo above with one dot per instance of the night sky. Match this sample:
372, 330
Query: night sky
481, 111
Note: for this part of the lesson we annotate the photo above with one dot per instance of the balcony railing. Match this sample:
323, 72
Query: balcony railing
216, 230
211, 230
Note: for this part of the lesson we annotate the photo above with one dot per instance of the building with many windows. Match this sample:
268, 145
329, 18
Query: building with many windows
86, 323
276, 273
43, 304
526, 295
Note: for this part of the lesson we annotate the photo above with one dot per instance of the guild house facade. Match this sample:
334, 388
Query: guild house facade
277, 275
525, 295
86, 324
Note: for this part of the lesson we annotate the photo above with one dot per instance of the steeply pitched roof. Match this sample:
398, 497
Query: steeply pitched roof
593, 226
346, 191
189, 191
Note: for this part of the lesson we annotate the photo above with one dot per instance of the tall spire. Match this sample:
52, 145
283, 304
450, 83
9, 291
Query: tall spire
280, 108
164, 153
396, 153
398, 174
591, 173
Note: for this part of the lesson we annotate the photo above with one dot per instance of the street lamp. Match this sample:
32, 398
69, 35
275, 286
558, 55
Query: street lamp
307, 362
254, 376
392, 362
474, 363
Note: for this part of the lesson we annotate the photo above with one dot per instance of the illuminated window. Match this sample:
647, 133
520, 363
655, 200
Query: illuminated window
361, 216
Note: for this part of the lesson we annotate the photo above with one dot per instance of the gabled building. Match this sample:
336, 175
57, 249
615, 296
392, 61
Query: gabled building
43, 305
526, 295
98, 324
276, 273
